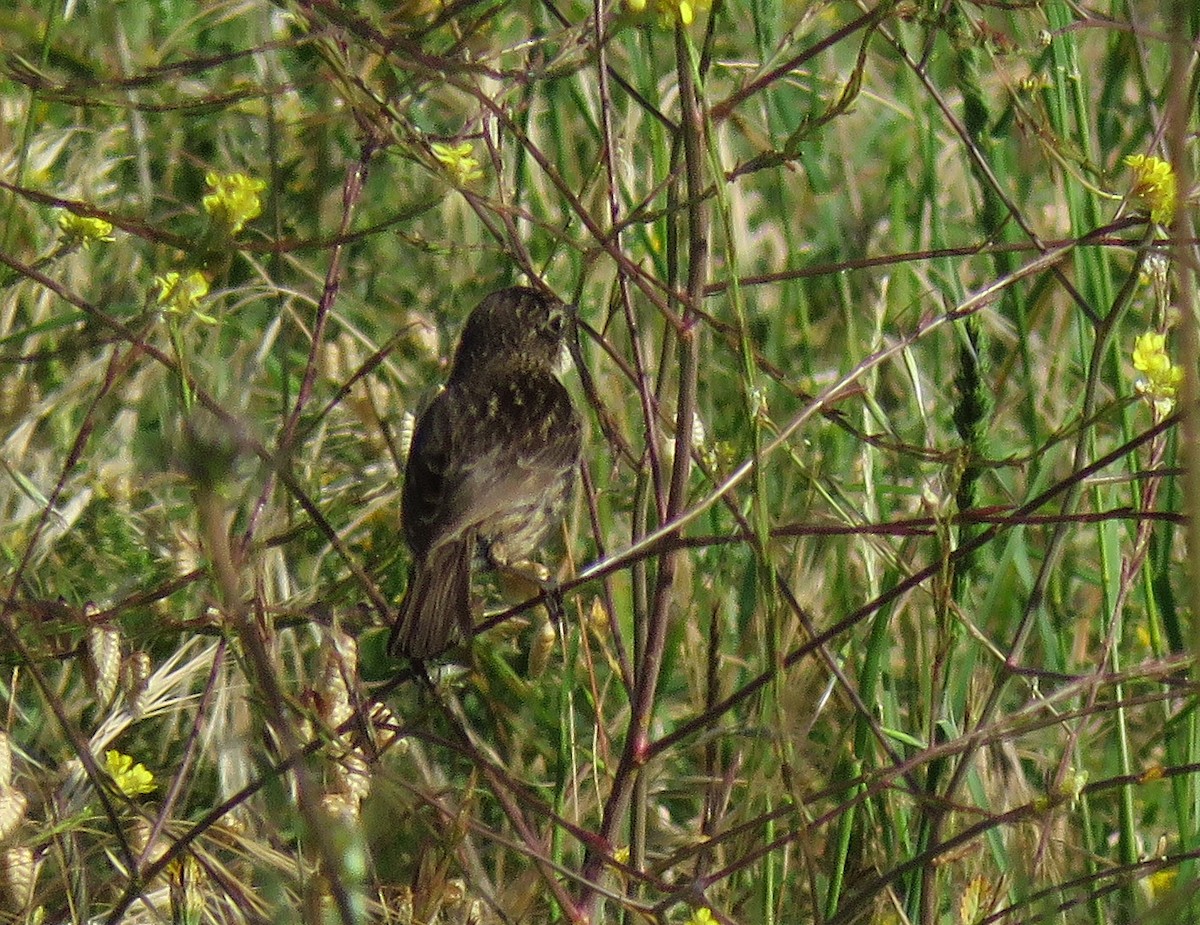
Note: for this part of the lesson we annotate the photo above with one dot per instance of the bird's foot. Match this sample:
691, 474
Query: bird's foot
524, 579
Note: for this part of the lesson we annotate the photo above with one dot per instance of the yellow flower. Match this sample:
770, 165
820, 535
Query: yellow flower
459, 161
702, 916
131, 779
1162, 881
1154, 186
76, 229
234, 199
1160, 377
181, 295
669, 12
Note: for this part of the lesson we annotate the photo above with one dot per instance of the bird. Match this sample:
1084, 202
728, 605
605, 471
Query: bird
492, 464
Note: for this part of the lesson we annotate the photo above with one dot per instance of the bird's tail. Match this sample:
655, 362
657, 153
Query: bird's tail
437, 600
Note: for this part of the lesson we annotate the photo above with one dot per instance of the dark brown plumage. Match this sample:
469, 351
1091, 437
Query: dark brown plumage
492, 464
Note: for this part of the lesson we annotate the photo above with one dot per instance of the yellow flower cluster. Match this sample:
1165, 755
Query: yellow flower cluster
1160, 378
181, 295
1154, 186
78, 230
234, 199
1162, 882
131, 779
459, 160
670, 11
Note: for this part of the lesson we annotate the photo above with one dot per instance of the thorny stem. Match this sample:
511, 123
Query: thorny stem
650, 663
639, 373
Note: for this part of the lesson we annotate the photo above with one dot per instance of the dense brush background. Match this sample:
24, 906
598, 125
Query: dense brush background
859, 285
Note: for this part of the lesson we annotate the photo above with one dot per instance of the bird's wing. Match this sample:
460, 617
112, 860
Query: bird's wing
477, 452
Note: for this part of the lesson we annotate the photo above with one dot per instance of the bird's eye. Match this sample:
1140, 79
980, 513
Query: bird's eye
555, 322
